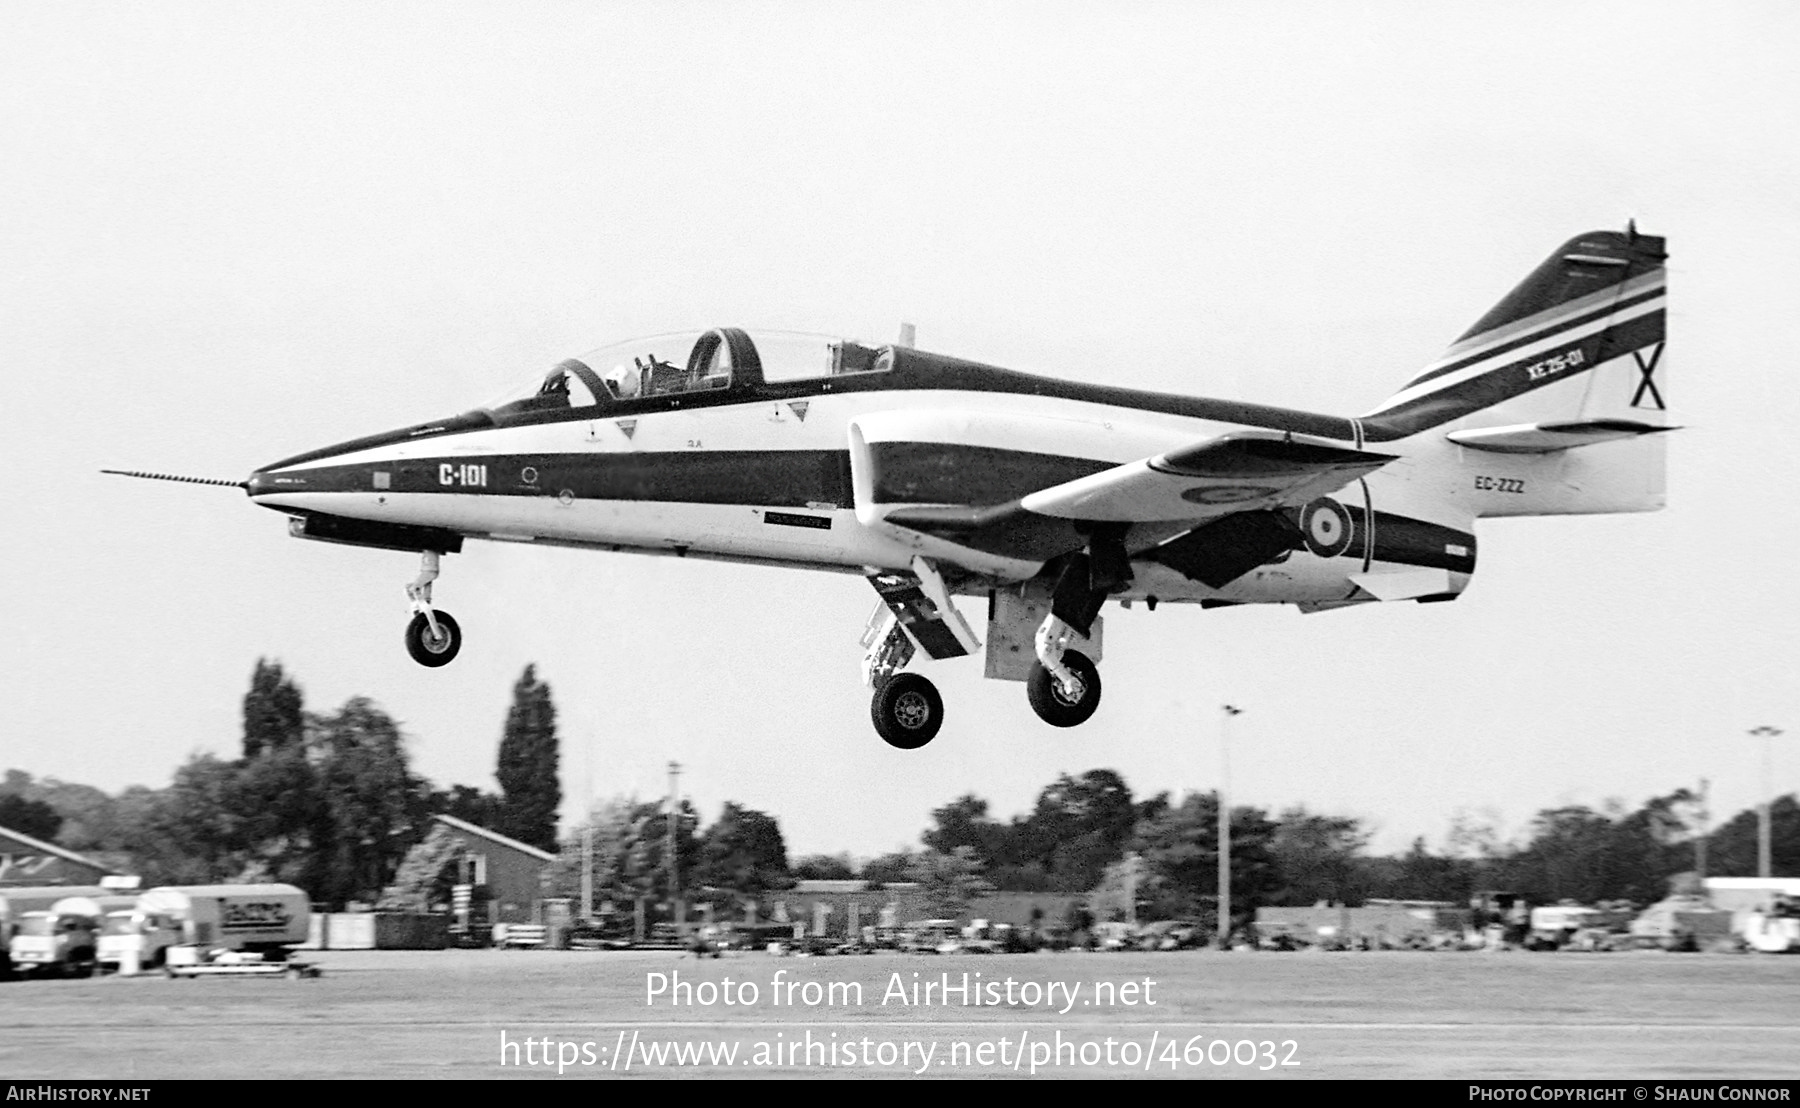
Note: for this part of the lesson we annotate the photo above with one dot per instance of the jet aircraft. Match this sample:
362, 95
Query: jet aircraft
936, 477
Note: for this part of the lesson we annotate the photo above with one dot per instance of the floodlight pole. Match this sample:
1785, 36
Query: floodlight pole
1225, 825
1700, 839
674, 863
1764, 853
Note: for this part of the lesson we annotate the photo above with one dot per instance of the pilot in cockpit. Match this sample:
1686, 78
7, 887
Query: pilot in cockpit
625, 381
554, 392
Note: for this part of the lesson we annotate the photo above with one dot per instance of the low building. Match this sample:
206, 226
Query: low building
841, 909
513, 874
28, 861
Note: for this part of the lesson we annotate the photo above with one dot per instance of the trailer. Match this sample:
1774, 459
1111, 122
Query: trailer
260, 918
192, 961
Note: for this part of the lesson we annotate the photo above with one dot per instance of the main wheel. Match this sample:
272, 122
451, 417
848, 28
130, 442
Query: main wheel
907, 711
1052, 704
428, 649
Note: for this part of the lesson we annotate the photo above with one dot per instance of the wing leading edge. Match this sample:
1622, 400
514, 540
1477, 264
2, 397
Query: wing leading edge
1237, 472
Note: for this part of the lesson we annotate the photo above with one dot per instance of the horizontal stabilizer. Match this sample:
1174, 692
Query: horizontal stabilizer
1546, 438
1232, 473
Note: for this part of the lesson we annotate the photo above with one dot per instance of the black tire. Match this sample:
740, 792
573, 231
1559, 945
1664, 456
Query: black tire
429, 650
1047, 698
907, 711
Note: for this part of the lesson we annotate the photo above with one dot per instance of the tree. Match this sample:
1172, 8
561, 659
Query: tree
194, 833
1732, 848
1565, 858
1316, 858
528, 765
1181, 854
743, 853
29, 817
646, 864
888, 868
824, 867
947, 882
616, 826
964, 822
273, 717
374, 810
470, 804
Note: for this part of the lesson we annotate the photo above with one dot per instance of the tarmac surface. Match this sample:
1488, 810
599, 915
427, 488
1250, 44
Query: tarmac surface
1202, 1014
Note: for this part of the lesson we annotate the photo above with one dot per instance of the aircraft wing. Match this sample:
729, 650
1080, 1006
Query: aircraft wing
1236, 472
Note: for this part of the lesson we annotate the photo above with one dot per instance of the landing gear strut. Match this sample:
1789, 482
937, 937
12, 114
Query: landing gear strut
1064, 686
432, 638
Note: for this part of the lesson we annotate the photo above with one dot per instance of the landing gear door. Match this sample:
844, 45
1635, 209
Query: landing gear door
924, 620
1014, 616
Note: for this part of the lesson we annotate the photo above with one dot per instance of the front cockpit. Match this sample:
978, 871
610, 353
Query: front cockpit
721, 362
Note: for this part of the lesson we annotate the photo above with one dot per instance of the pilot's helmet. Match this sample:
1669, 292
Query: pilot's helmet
624, 381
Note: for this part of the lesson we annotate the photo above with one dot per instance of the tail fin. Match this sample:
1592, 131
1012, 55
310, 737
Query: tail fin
1579, 342
1566, 376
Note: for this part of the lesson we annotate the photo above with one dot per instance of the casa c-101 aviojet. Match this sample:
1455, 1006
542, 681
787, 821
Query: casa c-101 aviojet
936, 477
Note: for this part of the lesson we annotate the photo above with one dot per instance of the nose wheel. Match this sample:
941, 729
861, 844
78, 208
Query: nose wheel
907, 711
432, 638
433, 646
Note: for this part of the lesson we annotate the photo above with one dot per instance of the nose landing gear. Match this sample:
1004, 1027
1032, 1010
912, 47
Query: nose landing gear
433, 637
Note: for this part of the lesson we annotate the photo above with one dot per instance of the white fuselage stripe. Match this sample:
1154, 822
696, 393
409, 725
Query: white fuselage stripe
1548, 342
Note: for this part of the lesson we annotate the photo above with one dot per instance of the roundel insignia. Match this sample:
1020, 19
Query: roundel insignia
1225, 494
1326, 527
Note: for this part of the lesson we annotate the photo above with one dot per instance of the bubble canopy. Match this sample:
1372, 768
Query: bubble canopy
689, 362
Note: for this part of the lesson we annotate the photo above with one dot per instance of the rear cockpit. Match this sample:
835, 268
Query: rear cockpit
707, 365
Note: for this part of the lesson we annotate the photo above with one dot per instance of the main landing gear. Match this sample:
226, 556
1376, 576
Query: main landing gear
1061, 684
906, 708
1064, 686
432, 638
907, 711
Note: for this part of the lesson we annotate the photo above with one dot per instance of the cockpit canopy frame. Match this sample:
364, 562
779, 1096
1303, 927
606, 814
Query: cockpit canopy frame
721, 364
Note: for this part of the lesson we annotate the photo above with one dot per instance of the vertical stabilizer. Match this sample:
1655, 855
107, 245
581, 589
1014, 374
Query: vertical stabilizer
1554, 398
1580, 340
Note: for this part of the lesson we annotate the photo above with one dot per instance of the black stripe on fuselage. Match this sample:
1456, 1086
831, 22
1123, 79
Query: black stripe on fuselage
914, 371
776, 478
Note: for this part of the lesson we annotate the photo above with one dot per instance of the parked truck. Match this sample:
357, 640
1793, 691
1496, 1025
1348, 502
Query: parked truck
15, 902
62, 939
137, 935
265, 919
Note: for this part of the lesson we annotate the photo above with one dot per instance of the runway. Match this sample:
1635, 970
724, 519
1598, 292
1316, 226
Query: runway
568, 1015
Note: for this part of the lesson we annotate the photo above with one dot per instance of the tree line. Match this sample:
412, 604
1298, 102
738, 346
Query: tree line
327, 801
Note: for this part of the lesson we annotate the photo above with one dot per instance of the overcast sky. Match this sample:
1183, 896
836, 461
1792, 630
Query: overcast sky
230, 232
